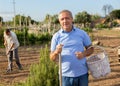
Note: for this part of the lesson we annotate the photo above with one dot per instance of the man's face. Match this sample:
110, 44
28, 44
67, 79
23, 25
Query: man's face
66, 21
8, 33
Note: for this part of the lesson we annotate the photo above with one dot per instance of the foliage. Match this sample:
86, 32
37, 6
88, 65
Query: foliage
45, 73
82, 17
100, 26
1, 19
47, 18
28, 39
23, 20
44, 37
115, 14
95, 17
22, 35
87, 29
1, 37
53, 19
107, 9
40, 38
114, 23
31, 39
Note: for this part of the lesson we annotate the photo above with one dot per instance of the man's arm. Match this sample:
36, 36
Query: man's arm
10, 48
5, 42
89, 50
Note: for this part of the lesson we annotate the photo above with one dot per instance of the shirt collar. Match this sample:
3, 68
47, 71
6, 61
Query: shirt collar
63, 31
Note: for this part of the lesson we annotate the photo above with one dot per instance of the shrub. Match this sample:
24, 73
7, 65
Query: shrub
20, 36
100, 26
44, 37
32, 39
87, 29
1, 37
45, 73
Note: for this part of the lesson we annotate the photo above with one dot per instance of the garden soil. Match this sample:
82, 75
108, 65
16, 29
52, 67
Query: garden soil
30, 55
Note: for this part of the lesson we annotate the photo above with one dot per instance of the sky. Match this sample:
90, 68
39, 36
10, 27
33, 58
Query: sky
37, 9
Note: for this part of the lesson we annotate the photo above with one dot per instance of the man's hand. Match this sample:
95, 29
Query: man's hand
9, 49
79, 55
7, 52
58, 49
54, 55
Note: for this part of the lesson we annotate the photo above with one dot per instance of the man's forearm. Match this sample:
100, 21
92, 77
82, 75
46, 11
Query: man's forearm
88, 51
11, 47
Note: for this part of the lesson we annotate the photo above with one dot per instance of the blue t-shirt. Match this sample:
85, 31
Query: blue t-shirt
73, 41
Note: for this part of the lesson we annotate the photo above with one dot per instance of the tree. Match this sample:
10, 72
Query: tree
83, 17
95, 17
47, 18
115, 14
23, 20
17, 17
50, 21
107, 9
29, 20
93, 20
78, 18
110, 8
54, 19
1, 19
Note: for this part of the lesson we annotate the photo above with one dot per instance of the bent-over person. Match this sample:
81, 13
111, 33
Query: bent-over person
11, 43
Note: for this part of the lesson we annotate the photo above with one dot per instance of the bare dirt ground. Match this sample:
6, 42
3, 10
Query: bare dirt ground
110, 40
28, 56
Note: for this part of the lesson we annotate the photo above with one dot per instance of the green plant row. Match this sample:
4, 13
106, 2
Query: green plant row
32, 39
27, 39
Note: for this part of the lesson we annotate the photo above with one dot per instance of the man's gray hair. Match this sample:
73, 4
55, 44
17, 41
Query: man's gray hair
70, 13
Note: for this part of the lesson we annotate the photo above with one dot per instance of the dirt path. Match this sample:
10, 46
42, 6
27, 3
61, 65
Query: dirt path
30, 55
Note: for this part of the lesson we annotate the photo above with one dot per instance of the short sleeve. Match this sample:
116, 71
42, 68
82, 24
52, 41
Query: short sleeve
54, 42
87, 40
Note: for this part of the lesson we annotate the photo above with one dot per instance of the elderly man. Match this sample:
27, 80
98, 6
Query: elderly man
74, 45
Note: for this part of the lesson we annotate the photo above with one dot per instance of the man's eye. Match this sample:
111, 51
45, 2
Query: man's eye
62, 19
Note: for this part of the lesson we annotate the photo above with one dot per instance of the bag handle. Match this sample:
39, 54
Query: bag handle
101, 48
